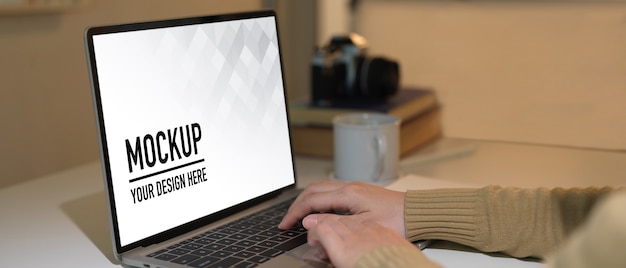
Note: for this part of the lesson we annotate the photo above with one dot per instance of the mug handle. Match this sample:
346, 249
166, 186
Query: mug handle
380, 148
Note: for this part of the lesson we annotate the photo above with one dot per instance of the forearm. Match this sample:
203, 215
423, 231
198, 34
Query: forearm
519, 222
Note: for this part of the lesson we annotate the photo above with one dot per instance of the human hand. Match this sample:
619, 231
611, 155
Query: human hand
344, 240
364, 202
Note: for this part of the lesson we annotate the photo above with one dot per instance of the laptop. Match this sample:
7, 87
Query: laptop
194, 141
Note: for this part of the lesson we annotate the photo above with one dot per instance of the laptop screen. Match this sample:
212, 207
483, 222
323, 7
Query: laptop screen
192, 116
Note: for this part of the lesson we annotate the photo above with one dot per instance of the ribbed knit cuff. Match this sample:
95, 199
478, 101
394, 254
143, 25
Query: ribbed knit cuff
446, 214
395, 256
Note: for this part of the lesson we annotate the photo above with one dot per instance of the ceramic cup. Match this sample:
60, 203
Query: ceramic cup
366, 147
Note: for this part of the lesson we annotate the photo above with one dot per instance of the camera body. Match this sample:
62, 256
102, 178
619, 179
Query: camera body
342, 71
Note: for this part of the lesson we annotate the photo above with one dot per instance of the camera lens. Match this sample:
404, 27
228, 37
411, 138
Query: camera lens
380, 77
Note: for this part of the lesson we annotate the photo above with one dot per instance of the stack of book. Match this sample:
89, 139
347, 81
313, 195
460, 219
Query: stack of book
418, 110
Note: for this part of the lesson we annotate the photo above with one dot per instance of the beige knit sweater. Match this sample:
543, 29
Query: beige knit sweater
518, 222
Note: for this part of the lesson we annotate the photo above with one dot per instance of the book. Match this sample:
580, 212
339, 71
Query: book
419, 112
406, 103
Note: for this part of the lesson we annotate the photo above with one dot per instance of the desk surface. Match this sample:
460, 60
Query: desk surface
61, 218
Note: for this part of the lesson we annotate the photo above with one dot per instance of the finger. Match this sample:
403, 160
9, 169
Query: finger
317, 232
310, 221
328, 185
328, 232
321, 253
316, 197
335, 222
330, 236
314, 243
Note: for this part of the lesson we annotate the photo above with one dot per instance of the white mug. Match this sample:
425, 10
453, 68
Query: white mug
366, 147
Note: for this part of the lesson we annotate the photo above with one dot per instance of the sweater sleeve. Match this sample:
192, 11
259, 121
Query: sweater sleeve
397, 257
600, 242
518, 222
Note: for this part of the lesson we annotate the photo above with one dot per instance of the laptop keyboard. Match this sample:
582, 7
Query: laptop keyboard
246, 242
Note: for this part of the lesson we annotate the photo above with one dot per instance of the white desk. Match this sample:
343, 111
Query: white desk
60, 220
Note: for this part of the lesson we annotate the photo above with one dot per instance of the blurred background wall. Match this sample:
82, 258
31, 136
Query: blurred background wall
45, 100
543, 72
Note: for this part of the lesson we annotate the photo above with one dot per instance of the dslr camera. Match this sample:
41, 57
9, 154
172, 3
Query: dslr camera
342, 71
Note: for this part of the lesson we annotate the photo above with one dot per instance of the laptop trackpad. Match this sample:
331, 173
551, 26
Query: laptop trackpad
302, 256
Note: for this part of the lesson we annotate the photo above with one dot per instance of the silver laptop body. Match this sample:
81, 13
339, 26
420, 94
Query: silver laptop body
193, 130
